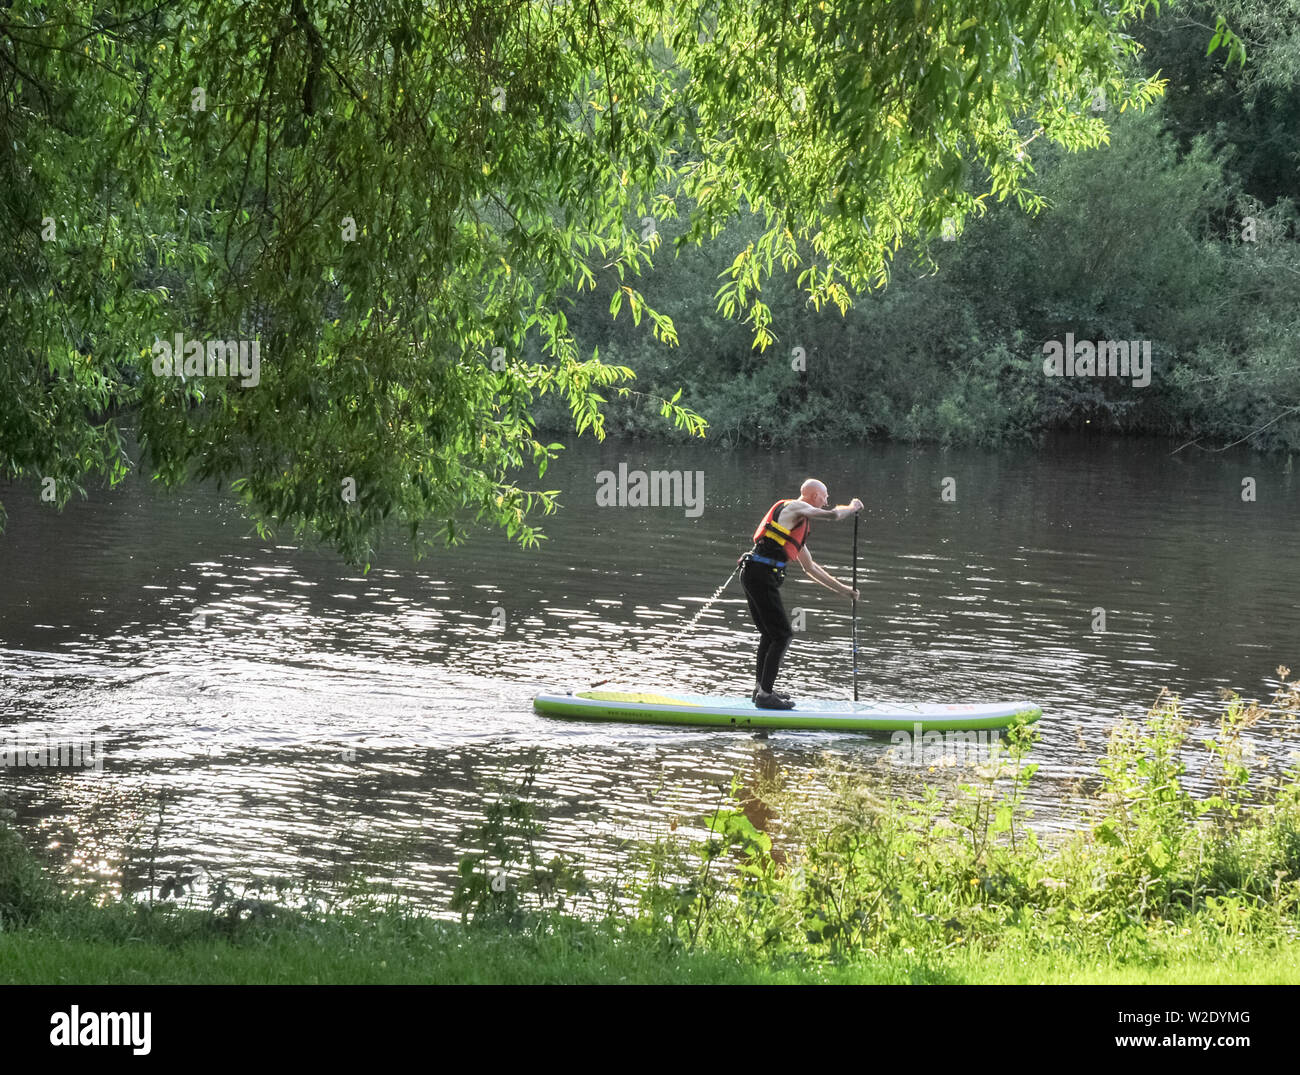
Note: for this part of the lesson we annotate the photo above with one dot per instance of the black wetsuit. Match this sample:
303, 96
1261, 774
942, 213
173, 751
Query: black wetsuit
762, 584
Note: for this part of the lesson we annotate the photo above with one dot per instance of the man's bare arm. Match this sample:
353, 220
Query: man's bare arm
818, 574
798, 508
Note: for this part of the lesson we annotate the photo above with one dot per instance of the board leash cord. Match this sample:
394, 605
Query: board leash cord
689, 627
705, 607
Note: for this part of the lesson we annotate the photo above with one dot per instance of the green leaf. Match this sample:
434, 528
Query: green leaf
1106, 832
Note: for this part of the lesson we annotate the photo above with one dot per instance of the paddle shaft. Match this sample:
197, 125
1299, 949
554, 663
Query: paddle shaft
855, 608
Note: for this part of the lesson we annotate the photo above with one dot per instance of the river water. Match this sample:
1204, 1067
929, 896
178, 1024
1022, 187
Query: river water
267, 711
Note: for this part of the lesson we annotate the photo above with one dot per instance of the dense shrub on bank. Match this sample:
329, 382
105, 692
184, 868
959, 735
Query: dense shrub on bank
26, 890
1150, 239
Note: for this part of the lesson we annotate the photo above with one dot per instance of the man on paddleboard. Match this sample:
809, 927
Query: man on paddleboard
782, 536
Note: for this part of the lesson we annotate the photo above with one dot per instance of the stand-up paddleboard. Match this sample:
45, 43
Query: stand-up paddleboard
698, 709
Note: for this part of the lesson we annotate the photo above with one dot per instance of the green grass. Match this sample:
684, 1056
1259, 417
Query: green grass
390, 949
122, 945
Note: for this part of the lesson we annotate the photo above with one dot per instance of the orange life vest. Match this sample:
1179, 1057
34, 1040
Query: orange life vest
789, 541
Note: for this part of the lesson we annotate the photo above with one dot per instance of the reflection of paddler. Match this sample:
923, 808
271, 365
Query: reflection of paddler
782, 536
752, 804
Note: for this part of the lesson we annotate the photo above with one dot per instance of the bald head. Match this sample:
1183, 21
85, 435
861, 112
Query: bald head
813, 492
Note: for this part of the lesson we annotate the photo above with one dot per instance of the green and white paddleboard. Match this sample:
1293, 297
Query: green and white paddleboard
643, 707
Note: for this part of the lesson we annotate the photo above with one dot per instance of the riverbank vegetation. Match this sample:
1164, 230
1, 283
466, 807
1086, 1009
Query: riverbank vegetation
1181, 232
1158, 884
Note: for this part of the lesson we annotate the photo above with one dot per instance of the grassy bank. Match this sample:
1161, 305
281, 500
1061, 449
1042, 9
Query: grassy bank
402, 949
863, 886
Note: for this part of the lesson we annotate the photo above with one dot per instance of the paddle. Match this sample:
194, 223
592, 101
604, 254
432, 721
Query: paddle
855, 608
